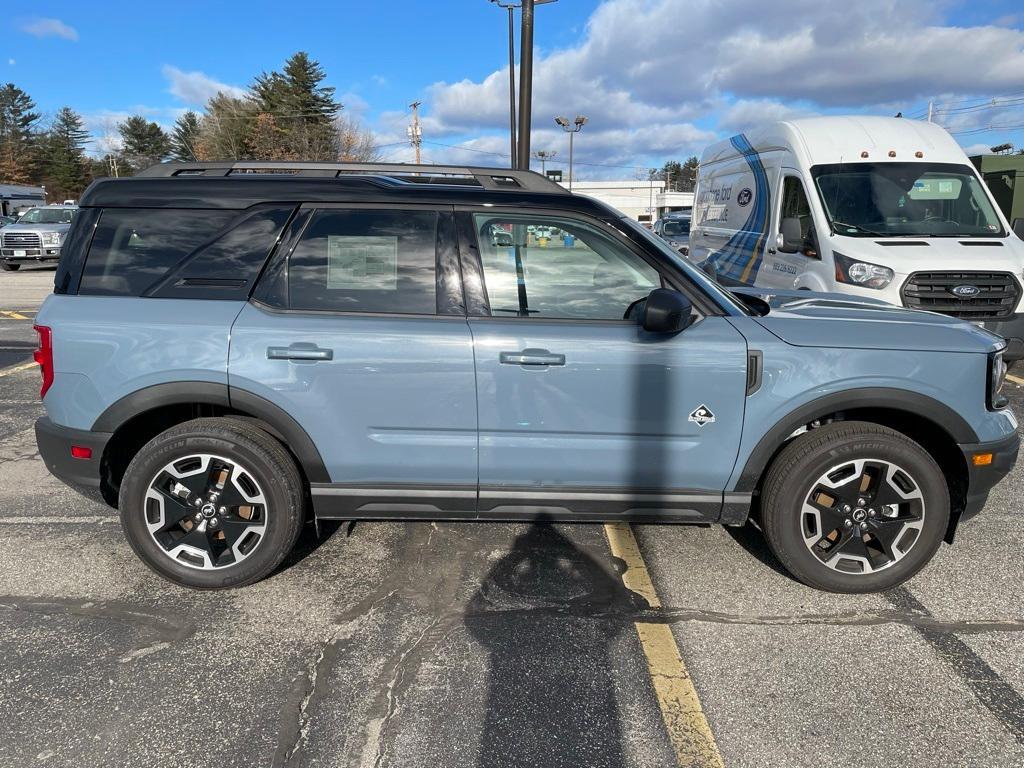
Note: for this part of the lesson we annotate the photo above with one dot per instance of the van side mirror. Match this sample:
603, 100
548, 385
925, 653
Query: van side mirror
792, 236
666, 311
1018, 228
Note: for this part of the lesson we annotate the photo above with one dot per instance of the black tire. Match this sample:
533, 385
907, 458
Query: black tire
8, 267
271, 467
798, 470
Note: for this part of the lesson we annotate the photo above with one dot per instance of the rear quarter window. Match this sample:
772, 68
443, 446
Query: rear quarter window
133, 249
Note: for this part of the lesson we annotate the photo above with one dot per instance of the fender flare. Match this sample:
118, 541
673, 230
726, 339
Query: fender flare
914, 403
280, 423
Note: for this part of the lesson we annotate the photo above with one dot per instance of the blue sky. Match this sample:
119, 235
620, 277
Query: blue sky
659, 78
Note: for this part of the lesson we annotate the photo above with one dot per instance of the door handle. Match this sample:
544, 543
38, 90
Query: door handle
531, 357
299, 352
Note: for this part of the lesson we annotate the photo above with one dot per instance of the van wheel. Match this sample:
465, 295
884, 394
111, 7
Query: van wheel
854, 507
212, 503
8, 267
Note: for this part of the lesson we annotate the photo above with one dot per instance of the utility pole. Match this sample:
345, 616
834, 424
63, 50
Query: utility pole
525, 85
544, 155
931, 108
415, 134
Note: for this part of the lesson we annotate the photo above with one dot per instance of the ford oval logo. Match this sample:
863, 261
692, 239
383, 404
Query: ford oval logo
965, 291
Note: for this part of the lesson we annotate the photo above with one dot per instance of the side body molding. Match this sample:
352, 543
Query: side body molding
208, 393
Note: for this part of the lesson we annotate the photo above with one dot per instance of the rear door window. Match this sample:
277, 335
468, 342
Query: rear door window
362, 260
133, 248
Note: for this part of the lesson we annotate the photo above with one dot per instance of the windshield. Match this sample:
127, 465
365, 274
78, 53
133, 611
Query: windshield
675, 227
710, 286
905, 200
48, 216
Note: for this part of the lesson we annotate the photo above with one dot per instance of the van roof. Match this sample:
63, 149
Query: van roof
838, 139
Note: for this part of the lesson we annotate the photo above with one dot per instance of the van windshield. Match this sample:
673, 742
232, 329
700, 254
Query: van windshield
905, 200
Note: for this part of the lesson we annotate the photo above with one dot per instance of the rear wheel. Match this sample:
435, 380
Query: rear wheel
212, 503
854, 507
6, 266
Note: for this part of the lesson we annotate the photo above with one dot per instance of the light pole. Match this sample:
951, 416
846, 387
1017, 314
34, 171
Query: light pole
511, 7
572, 128
544, 155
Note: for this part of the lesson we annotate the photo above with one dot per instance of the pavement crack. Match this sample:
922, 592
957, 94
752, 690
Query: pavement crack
397, 685
311, 685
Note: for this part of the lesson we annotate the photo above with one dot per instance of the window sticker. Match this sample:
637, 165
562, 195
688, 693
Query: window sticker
362, 263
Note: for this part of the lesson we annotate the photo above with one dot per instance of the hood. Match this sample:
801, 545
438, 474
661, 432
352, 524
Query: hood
19, 227
807, 319
905, 255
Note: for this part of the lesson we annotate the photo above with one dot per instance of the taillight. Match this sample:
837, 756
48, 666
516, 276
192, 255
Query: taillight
44, 356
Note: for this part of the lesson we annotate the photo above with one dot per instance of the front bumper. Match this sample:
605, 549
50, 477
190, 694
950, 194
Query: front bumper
1011, 329
18, 255
55, 443
981, 479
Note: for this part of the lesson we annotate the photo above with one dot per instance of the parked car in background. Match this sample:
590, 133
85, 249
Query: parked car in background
16, 199
244, 352
36, 237
886, 208
674, 228
5, 220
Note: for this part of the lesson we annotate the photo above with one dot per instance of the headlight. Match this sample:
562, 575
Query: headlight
996, 378
51, 238
861, 273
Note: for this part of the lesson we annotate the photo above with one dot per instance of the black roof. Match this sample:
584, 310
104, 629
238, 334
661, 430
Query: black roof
242, 184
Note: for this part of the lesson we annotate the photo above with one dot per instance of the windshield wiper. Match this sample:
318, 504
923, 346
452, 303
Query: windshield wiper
858, 227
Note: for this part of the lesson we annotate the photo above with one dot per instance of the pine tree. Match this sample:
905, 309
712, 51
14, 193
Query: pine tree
301, 106
185, 137
18, 140
63, 158
145, 142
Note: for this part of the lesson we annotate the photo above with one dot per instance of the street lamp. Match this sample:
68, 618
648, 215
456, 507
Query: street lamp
544, 155
571, 128
511, 7
526, 71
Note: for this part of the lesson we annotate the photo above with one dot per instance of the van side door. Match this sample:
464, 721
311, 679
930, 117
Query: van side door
786, 262
358, 331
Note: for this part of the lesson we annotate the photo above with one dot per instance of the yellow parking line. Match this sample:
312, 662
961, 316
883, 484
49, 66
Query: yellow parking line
15, 368
13, 315
688, 728
1015, 379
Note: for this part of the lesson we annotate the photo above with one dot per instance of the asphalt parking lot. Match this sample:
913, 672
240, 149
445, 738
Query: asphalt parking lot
386, 644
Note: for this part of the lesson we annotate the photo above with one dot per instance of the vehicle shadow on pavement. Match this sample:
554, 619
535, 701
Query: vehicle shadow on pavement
548, 613
749, 537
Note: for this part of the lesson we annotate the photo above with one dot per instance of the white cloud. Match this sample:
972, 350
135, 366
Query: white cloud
40, 27
196, 88
11, 62
658, 77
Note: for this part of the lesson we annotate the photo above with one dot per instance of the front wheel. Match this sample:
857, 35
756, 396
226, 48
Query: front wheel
854, 507
212, 503
7, 266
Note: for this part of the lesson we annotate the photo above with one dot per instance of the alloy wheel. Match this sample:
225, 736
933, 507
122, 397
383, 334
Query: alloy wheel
205, 511
862, 516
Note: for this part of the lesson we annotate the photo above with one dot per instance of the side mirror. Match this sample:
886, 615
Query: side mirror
666, 311
1018, 228
792, 237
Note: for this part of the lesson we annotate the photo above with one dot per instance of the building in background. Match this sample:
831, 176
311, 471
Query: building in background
645, 201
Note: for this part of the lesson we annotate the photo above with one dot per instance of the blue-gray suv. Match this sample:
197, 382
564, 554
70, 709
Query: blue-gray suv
233, 349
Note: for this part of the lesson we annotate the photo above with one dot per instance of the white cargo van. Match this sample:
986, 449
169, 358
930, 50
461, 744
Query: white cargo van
878, 207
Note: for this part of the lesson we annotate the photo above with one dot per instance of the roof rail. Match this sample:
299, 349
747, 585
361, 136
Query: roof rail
488, 178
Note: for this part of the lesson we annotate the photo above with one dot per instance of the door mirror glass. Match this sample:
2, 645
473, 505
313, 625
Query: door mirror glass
1018, 228
666, 311
780, 242
791, 236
